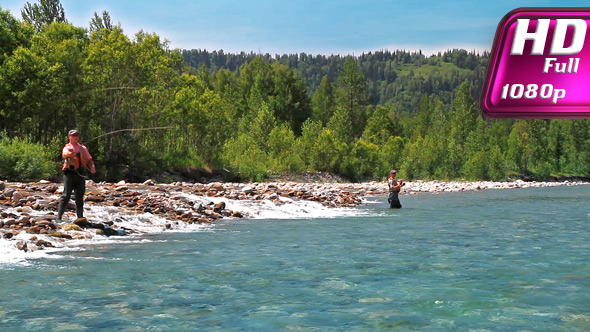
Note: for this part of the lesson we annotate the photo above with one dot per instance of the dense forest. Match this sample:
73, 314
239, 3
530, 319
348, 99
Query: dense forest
144, 110
398, 78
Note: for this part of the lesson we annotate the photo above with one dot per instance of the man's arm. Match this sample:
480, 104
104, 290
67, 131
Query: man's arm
88, 159
90, 164
67, 152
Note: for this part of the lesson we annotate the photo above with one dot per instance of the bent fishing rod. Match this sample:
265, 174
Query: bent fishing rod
129, 129
120, 131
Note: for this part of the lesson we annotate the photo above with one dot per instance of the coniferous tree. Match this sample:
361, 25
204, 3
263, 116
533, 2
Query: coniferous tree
323, 101
101, 22
43, 13
351, 95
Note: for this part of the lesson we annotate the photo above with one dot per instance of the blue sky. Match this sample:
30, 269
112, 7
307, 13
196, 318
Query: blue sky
310, 26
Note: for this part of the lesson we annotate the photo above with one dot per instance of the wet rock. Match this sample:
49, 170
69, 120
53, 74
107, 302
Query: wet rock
43, 243
96, 225
10, 222
148, 182
33, 230
46, 224
237, 214
248, 190
17, 196
95, 198
219, 206
2, 185
9, 192
8, 235
110, 232
216, 186
71, 206
60, 235
52, 188
24, 220
22, 245
71, 227
82, 222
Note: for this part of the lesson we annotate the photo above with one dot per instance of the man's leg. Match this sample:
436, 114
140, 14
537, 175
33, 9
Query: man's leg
65, 196
80, 190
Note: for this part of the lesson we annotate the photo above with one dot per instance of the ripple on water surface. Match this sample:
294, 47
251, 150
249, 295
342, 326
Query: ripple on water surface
489, 260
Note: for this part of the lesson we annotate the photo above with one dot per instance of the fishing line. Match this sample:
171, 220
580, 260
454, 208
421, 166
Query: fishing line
119, 131
129, 129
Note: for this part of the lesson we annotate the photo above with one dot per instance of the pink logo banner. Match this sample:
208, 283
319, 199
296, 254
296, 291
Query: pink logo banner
539, 65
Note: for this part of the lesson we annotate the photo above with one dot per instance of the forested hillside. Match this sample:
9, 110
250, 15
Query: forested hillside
144, 109
397, 78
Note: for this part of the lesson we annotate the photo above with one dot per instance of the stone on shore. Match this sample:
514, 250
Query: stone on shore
60, 235
81, 222
31, 208
43, 243
71, 227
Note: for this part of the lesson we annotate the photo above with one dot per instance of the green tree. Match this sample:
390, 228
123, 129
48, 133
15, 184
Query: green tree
340, 126
520, 150
464, 115
42, 83
12, 34
484, 161
98, 23
329, 153
288, 99
305, 145
323, 101
351, 95
282, 149
380, 125
576, 144
249, 151
43, 13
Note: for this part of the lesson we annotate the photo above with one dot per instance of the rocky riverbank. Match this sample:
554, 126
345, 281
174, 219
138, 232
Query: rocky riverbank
28, 210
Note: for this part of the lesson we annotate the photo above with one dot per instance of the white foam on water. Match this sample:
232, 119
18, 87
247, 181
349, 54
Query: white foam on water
286, 209
146, 223
141, 224
10, 255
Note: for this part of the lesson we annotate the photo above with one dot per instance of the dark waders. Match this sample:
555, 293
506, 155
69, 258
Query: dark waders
72, 181
394, 200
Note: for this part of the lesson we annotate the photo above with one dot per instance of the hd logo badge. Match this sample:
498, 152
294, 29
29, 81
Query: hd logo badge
539, 65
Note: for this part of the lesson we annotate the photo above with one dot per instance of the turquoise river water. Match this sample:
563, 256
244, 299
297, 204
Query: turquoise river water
494, 260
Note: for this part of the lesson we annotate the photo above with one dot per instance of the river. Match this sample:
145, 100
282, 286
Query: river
513, 259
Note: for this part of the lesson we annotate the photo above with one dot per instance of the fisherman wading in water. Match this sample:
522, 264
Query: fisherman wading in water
76, 157
395, 187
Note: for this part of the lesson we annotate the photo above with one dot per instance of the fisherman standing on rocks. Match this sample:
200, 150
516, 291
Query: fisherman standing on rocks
76, 157
395, 187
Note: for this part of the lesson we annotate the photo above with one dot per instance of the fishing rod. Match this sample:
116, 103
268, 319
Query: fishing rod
119, 131
129, 129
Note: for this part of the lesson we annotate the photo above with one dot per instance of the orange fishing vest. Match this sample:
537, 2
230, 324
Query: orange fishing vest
76, 162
